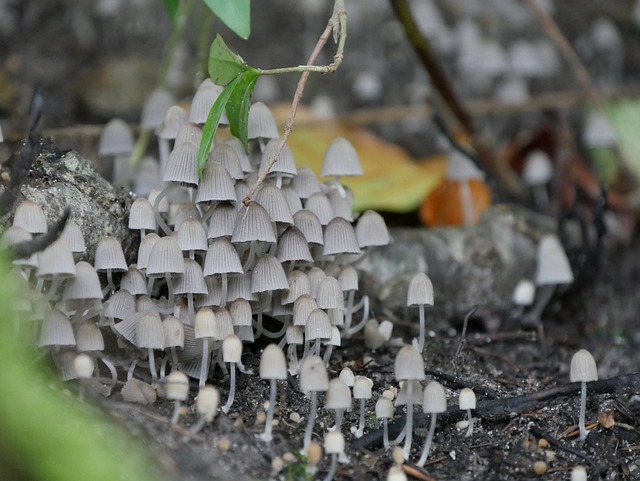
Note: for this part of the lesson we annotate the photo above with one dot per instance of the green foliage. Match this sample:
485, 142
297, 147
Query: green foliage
224, 65
172, 7
238, 105
298, 471
234, 13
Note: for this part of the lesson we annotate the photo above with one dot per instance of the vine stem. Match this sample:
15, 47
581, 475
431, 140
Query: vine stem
338, 25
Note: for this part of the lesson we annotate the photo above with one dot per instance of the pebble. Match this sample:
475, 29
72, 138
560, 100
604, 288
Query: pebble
224, 444
539, 467
294, 417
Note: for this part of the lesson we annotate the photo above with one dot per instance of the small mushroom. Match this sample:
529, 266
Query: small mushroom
434, 402
176, 388
583, 370
273, 366
362, 390
207, 406
333, 445
467, 402
384, 412
313, 379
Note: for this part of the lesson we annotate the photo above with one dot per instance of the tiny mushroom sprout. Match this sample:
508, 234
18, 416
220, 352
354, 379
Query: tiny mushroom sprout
434, 402
467, 402
176, 388
207, 407
362, 390
420, 293
409, 366
273, 366
333, 445
231, 353
384, 412
583, 370
579, 473
313, 379
83, 366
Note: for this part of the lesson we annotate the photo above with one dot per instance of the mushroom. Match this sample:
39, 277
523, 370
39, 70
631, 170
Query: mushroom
384, 412
420, 293
409, 366
231, 353
83, 366
333, 445
338, 398
467, 401
578, 473
583, 370
176, 388
362, 390
313, 379
273, 366
207, 406
434, 402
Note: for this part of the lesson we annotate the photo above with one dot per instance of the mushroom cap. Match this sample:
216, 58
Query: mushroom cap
30, 217
155, 109
176, 386
524, 293
231, 348
173, 332
116, 138
89, 337
149, 331
253, 224
141, 215
207, 402
384, 408
306, 183
362, 387
371, 230
538, 169
341, 159
83, 366
313, 375
333, 442
552, 263
204, 323
579, 473
109, 255
599, 131
318, 326
340, 238
293, 246
261, 123
330, 294
192, 280
285, 164
320, 205
268, 275
346, 376
467, 399
222, 258
182, 165
191, 235
241, 312
139, 392
73, 235
175, 118
583, 367
338, 395
409, 364
203, 101
309, 225
227, 156
222, 221
299, 284
273, 364
420, 292
56, 330
303, 306
165, 258
461, 168
434, 399
133, 281
85, 284
216, 184
57, 260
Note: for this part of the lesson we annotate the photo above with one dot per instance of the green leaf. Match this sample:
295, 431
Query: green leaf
236, 14
172, 7
210, 127
238, 105
224, 65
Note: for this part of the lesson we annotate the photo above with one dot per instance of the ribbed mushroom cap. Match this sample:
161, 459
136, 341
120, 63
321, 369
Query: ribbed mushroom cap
467, 399
294, 335
191, 236
133, 281
175, 386
192, 280
216, 184
145, 303
318, 326
285, 164
341, 159
338, 395
30, 217
222, 258
552, 263
120, 305
175, 118
434, 399
340, 238
268, 275
165, 258
15, 235
583, 367
242, 188
173, 332
340, 205
227, 156
362, 387
73, 235
109, 255
189, 133
303, 306
538, 169
273, 364
319, 204
420, 292
179, 213
384, 408
316, 276
205, 323
207, 402
149, 331
460, 168
222, 221
241, 312
403, 399
313, 375
346, 376
306, 183
309, 225
182, 165
224, 323
231, 348
56, 330
253, 224
203, 100
524, 293
155, 109
85, 284
261, 122
599, 131
371, 230
333, 442
245, 162
298, 285
144, 250
240, 287
56, 260
409, 364
138, 392
89, 337
293, 246
272, 199
292, 198
330, 294
245, 333
348, 278
141, 215
116, 139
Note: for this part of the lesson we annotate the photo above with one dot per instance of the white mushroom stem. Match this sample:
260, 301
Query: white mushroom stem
364, 303
583, 407
422, 329
339, 418
328, 349
408, 427
348, 309
311, 421
112, 369
470, 420
332, 469
294, 363
543, 296
195, 429
427, 443
466, 198
360, 431
152, 365
204, 365
110, 287
266, 436
232, 388
176, 411
156, 208
385, 433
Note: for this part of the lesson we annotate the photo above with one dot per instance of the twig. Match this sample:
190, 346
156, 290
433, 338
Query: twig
417, 473
26, 249
539, 433
463, 339
338, 25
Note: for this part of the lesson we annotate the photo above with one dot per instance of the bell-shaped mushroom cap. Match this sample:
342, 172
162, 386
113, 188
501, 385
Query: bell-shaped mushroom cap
298, 285
144, 250
285, 164
293, 246
149, 331
175, 386
340, 238
346, 376
56, 260
524, 293
189, 133
175, 118
138, 392
373, 339
273, 365
141, 215
348, 278
467, 399
318, 326
268, 275
216, 184
245, 162
89, 337
155, 109
306, 183
386, 329
341, 159
362, 387
261, 122
109, 255
231, 348
15, 235
227, 156
30, 217
579, 473
340, 205
253, 224
293, 201
83, 366
120, 305
192, 280
420, 292
384, 408
461, 168
222, 221
73, 235
56, 330
599, 131
294, 335
133, 281
165, 258
224, 323
403, 398
552, 263
245, 333
316, 276
207, 402
241, 312
180, 212
222, 258
205, 323
319, 204
333, 442
173, 332
309, 225
182, 165
148, 177
191, 236
338, 395
85, 285
145, 303
409, 364
371, 230
203, 100
434, 399
330, 294
273, 201
538, 169
116, 139
240, 287
303, 306
583, 367
313, 375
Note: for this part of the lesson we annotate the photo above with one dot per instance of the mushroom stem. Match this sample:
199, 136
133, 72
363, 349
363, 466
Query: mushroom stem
543, 296
311, 421
470, 420
332, 469
365, 316
176, 411
385, 433
152, 365
266, 436
422, 329
408, 427
204, 365
348, 310
232, 388
339, 418
112, 369
360, 431
195, 429
156, 210
427, 443
583, 406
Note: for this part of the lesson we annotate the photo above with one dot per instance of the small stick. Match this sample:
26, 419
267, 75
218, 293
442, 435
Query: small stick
463, 339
